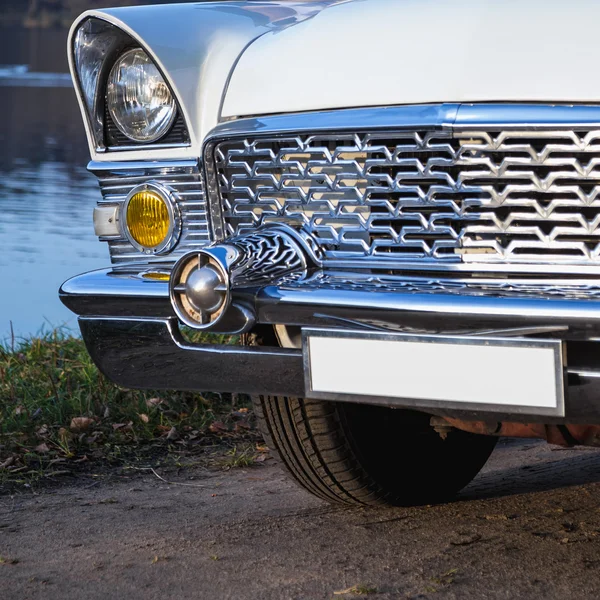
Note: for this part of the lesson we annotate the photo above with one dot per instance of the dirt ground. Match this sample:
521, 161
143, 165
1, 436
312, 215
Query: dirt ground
527, 527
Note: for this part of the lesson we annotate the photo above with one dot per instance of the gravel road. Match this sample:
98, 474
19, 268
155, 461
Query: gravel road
528, 527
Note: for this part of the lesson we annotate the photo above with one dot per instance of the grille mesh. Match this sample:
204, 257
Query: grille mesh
439, 197
187, 184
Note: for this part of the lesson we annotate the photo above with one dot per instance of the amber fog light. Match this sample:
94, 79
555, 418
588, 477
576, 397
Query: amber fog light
151, 219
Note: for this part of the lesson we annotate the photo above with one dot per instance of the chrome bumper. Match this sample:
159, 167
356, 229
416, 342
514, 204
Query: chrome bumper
570, 312
132, 334
146, 353
151, 354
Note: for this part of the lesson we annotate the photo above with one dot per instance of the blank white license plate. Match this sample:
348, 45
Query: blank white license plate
524, 376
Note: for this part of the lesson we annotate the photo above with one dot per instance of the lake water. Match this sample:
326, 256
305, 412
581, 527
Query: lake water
46, 194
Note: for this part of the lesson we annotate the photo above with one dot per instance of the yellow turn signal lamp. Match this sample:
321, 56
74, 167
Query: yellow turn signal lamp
151, 219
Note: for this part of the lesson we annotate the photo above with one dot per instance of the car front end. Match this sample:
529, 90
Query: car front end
431, 247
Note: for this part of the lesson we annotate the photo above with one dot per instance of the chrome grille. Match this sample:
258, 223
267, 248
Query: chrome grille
415, 198
116, 181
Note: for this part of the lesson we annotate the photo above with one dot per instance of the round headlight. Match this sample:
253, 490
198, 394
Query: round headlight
151, 219
139, 100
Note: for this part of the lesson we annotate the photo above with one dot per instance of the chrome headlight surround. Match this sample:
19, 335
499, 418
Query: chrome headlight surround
167, 195
95, 45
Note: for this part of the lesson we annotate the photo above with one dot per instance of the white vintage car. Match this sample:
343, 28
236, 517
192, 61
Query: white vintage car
394, 203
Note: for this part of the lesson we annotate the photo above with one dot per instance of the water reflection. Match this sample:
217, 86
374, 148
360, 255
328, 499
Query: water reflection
46, 194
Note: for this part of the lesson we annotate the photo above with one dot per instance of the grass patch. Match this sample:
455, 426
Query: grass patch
361, 589
55, 406
236, 457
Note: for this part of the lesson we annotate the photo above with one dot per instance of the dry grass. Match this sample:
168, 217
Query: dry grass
55, 404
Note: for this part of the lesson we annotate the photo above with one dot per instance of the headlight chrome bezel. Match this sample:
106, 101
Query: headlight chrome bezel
101, 43
167, 195
118, 113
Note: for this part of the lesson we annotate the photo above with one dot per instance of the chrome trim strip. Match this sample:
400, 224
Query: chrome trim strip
142, 146
423, 116
213, 196
382, 263
555, 345
527, 116
95, 166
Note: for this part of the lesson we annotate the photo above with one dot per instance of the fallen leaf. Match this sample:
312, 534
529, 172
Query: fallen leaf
217, 427
79, 424
20, 410
122, 426
42, 431
92, 439
42, 448
153, 402
173, 435
7, 463
242, 413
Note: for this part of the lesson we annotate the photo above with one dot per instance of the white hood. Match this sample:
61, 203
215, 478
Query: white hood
391, 52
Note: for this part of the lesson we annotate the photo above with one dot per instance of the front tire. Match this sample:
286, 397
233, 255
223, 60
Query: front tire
363, 454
